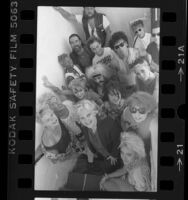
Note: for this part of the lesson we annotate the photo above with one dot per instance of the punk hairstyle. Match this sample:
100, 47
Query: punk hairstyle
137, 22
139, 60
116, 37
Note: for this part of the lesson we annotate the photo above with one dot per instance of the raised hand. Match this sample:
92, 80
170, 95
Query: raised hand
112, 160
46, 82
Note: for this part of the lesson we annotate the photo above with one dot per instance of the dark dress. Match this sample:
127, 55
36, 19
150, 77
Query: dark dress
103, 143
62, 146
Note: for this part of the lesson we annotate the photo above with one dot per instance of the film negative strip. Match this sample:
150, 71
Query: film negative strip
97, 99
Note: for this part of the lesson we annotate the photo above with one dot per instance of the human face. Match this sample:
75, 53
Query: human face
121, 48
138, 113
139, 31
67, 62
99, 79
143, 71
127, 155
114, 97
156, 35
88, 118
96, 48
75, 44
62, 111
79, 92
89, 11
49, 118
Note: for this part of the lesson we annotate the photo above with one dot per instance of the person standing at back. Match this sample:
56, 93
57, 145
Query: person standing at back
94, 23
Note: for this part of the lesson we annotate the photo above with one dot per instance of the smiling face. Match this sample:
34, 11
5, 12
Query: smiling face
139, 31
121, 48
96, 48
99, 79
79, 92
143, 71
138, 113
127, 155
67, 62
75, 44
48, 118
88, 118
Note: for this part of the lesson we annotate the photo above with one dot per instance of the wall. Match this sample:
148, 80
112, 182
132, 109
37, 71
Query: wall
52, 39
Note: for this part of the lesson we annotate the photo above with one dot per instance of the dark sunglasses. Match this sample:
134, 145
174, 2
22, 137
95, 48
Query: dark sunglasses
155, 34
139, 30
140, 110
122, 44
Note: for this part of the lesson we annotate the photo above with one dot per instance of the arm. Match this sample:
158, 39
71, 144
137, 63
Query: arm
55, 89
94, 96
115, 62
106, 25
154, 67
108, 36
38, 154
66, 14
117, 173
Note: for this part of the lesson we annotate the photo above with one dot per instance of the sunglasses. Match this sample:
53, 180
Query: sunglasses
140, 110
155, 34
122, 44
139, 30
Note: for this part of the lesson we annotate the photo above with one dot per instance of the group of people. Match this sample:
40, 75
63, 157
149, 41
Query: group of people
107, 112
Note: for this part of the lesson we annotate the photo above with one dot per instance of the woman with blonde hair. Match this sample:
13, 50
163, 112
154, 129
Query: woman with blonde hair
55, 154
102, 136
135, 174
141, 116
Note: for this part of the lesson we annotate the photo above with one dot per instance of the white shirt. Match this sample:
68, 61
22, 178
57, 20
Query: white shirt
106, 23
106, 58
142, 43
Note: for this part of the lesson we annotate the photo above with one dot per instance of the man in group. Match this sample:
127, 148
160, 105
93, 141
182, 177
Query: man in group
142, 39
80, 54
93, 23
100, 75
127, 55
103, 55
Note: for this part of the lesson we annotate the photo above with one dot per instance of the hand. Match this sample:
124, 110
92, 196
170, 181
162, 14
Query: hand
46, 82
57, 8
103, 180
112, 160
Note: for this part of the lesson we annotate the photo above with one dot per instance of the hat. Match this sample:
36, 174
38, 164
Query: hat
99, 69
